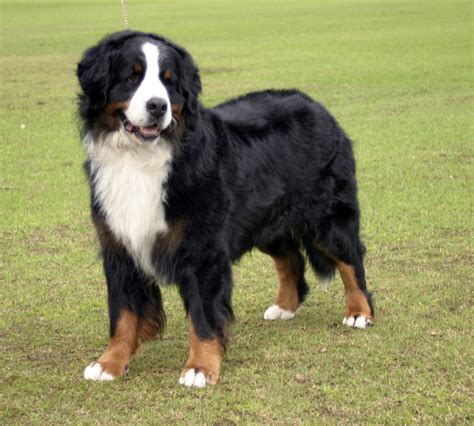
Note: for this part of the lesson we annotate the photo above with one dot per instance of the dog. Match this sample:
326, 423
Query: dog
180, 191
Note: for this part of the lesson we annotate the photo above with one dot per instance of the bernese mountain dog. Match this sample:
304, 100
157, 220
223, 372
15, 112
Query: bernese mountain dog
180, 191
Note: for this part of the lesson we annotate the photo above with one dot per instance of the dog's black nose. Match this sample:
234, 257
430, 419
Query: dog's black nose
157, 107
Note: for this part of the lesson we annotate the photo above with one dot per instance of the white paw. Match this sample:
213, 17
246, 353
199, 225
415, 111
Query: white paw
274, 312
193, 377
95, 371
357, 322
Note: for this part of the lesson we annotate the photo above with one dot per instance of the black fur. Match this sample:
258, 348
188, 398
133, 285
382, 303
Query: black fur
271, 170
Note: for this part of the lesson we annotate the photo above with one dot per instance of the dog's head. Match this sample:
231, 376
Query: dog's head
137, 83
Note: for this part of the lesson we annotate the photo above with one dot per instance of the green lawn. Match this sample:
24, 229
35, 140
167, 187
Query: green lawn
398, 75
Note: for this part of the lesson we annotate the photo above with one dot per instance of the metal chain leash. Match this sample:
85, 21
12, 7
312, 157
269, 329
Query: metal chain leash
124, 13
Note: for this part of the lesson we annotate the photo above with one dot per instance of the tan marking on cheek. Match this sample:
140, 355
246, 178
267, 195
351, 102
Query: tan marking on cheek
287, 297
204, 355
113, 108
356, 301
109, 117
177, 109
122, 345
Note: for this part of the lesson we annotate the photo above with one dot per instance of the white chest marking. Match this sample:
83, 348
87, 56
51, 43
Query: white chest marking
128, 183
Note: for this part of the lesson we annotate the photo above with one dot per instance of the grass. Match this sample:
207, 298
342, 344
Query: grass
397, 75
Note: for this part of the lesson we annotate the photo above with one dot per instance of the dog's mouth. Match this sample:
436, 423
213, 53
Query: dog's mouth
147, 134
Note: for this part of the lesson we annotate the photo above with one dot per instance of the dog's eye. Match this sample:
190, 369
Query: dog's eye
134, 78
136, 74
168, 77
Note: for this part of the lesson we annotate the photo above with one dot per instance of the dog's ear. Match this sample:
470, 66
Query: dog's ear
93, 73
190, 80
94, 70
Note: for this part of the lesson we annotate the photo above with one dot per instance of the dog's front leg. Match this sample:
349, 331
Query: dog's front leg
135, 311
206, 291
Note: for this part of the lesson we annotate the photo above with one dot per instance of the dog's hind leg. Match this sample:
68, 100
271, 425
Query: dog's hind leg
347, 257
359, 308
290, 266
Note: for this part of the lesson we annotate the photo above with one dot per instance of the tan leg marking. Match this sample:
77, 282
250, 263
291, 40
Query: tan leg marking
122, 345
130, 332
151, 324
356, 302
287, 297
204, 356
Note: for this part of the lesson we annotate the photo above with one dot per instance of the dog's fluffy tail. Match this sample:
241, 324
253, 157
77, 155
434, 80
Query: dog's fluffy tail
322, 265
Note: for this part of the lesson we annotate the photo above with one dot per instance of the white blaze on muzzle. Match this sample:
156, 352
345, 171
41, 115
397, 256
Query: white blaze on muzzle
149, 88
